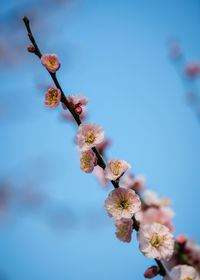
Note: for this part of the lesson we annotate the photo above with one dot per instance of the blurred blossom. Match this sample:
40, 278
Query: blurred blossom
182, 272
192, 69
124, 228
99, 174
136, 183
103, 146
154, 215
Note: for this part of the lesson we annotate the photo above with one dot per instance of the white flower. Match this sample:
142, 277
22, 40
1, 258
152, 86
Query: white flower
156, 241
182, 272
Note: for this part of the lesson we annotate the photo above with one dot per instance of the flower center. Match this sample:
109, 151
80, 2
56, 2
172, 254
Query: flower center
51, 62
90, 137
156, 240
115, 168
123, 204
85, 160
187, 278
52, 96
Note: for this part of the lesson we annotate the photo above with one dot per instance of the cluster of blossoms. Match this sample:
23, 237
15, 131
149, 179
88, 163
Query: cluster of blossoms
130, 209
123, 203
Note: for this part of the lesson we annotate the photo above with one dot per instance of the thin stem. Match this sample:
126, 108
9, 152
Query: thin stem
162, 269
64, 100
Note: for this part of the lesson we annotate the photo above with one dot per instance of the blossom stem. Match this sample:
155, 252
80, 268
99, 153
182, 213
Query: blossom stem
162, 270
64, 100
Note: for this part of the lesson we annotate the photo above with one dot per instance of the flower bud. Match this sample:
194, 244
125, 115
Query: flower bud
31, 49
151, 272
78, 110
181, 239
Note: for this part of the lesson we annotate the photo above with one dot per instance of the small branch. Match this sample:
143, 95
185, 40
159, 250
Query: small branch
162, 270
37, 52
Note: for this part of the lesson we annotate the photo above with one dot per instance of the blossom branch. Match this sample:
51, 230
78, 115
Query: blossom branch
64, 100
115, 182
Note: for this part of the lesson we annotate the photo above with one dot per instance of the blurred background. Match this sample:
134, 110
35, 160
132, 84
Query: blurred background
138, 64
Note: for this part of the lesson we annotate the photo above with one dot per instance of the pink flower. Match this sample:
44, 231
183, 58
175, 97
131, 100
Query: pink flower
124, 229
88, 161
77, 100
116, 168
135, 183
122, 203
154, 215
156, 241
89, 135
51, 62
183, 272
151, 198
151, 272
99, 173
52, 97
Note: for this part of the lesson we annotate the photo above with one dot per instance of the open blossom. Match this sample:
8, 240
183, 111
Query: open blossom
52, 98
154, 215
135, 183
88, 161
151, 198
156, 241
122, 203
89, 135
124, 229
183, 272
116, 168
51, 62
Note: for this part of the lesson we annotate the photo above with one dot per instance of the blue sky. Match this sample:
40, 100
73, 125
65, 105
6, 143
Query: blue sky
115, 53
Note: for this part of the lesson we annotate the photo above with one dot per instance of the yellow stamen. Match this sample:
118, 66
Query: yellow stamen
90, 137
115, 168
85, 160
156, 240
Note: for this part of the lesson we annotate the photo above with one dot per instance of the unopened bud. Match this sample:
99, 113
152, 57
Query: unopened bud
151, 272
78, 110
31, 49
181, 239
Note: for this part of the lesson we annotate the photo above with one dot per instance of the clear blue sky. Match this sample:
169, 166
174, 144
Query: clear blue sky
113, 52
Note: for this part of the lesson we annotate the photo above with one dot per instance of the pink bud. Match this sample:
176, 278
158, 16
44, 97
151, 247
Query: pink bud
181, 239
151, 272
78, 110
